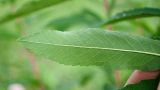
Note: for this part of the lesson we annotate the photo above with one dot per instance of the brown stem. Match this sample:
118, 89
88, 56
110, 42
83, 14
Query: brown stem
106, 5
31, 57
117, 76
107, 8
35, 69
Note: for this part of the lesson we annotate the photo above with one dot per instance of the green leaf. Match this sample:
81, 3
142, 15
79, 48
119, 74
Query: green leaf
76, 19
143, 85
96, 47
29, 8
157, 34
134, 14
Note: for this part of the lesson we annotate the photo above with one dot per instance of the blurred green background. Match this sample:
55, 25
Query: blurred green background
20, 68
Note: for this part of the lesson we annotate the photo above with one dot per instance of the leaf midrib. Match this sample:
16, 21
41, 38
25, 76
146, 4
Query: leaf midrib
111, 49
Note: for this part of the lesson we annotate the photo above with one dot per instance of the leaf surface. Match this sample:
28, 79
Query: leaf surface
96, 47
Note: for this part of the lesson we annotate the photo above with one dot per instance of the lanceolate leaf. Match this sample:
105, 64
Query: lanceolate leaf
96, 47
29, 8
133, 14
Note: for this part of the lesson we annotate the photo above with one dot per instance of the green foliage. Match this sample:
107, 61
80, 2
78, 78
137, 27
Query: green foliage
96, 47
134, 14
157, 34
29, 8
85, 18
143, 85
6, 1
35, 17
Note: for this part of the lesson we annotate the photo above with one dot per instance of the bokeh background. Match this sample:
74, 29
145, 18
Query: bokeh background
22, 69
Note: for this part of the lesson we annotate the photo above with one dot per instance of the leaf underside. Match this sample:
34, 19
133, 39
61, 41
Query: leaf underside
96, 47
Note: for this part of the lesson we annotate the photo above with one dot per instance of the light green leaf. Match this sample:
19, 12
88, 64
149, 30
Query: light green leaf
29, 8
96, 47
151, 84
134, 14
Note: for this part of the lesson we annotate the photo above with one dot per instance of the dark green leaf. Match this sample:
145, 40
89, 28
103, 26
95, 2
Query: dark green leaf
134, 14
143, 85
29, 8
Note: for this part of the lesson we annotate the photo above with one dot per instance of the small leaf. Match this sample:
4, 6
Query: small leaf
96, 47
29, 8
143, 85
134, 14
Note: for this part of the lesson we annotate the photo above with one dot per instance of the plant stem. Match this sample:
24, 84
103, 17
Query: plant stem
117, 78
